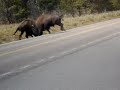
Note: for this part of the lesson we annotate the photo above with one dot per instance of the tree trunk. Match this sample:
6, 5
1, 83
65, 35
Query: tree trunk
8, 14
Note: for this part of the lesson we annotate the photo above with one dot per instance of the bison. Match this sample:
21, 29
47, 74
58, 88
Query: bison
29, 27
44, 22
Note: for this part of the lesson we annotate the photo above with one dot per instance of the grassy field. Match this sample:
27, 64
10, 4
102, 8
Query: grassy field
6, 31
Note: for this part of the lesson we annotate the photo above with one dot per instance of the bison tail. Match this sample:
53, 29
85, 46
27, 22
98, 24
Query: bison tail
16, 31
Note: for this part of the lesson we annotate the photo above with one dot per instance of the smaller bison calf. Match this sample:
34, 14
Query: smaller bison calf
29, 27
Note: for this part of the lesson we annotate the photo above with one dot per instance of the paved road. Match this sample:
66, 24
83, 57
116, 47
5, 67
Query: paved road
85, 58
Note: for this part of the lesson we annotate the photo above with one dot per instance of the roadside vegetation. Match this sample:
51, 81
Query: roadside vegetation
6, 31
76, 12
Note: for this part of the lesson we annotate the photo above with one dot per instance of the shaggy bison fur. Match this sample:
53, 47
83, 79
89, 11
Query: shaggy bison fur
44, 22
29, 27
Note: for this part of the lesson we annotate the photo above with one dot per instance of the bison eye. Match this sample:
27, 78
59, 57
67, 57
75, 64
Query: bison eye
32, 25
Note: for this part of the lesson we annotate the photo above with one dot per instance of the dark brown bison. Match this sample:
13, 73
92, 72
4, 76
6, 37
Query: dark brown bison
29, 27
44, 22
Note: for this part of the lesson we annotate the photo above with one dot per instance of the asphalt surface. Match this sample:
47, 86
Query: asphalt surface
85, 58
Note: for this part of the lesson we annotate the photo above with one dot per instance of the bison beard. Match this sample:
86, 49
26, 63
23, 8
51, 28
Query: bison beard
44, 22
28, 26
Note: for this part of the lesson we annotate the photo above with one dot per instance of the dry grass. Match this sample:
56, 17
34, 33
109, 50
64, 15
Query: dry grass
6, 31
71, 22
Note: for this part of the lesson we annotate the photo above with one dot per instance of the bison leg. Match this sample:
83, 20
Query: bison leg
26, 35
31, 34
21, 35
41, 33
61, 27
15, 31
48, 30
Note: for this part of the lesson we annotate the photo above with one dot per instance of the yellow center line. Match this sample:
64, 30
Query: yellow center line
62, 38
